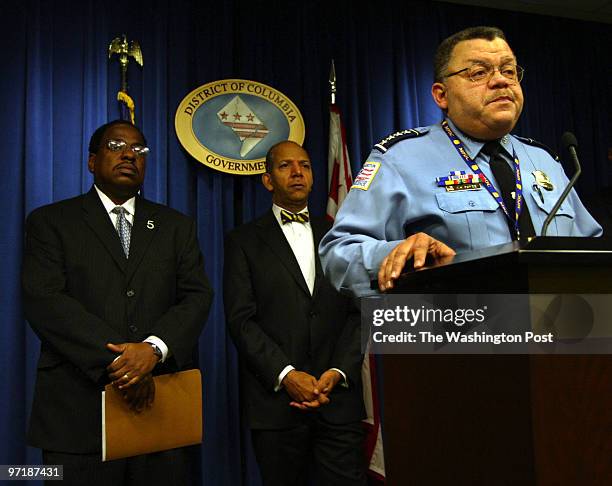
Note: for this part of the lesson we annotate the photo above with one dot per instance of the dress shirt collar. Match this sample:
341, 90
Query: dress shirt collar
129, 205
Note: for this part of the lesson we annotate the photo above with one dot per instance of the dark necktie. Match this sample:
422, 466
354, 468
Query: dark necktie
506, 183
124, 228
289, 217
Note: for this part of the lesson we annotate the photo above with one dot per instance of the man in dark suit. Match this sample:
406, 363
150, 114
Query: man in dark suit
298, 339
114, 287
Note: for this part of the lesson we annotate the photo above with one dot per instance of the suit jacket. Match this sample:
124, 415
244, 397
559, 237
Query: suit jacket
275, 321
80, 292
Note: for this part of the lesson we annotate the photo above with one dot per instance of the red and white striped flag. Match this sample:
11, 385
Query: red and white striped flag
339, 175
340, 180
374, 444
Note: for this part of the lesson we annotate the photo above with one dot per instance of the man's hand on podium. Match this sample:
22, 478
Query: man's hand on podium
418, 247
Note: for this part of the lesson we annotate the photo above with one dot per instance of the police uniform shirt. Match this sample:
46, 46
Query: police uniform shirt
396, 195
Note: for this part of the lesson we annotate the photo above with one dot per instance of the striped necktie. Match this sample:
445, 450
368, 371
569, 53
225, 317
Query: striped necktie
289, 217
124, 228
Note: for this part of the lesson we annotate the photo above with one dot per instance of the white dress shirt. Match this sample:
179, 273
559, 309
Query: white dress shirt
299, 236
130, 208
300, 239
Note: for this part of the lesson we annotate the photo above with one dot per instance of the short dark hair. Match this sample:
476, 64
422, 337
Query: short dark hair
270, 154
96, 139
445, 49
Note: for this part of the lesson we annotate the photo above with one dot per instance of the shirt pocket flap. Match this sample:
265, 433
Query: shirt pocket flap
459, 202
550, 199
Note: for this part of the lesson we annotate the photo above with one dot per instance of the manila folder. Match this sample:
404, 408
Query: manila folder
174, 420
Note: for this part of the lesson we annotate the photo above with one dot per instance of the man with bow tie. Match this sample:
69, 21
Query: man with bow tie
298, 339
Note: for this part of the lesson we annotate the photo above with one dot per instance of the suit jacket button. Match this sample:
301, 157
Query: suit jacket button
130, 293
133, 328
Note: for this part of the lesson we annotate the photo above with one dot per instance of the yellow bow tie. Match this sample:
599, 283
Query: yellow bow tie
289, 217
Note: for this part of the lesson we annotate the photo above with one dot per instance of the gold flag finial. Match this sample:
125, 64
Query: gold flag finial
120, 46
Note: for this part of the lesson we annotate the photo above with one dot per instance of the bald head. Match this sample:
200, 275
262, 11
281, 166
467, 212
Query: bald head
288, 175
273, 152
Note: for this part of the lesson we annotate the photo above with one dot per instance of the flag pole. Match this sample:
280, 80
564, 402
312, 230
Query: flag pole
332, 83
340, 181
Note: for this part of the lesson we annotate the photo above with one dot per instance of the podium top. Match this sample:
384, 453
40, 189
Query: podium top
535, 249
502, 261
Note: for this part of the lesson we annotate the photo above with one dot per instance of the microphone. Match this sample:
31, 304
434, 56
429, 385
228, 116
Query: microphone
569, 142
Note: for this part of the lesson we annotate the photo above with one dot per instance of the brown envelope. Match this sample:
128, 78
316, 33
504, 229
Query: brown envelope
174, 420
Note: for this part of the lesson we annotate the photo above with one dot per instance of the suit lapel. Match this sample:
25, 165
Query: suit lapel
319, 228
269, 231
98, 220
143, 231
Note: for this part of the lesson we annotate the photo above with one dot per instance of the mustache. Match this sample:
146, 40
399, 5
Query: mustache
501, 94
127, 164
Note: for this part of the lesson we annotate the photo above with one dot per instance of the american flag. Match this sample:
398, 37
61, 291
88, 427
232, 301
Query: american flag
339, 166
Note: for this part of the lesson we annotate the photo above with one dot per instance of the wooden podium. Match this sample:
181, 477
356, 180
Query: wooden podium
503, 419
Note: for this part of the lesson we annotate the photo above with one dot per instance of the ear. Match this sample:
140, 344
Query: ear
266, 180
438, 92
91, 162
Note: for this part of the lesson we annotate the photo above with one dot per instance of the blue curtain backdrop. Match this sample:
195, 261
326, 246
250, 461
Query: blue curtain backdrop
57, 86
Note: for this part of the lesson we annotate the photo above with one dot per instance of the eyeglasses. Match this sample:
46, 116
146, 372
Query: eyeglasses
118, 145
482, 72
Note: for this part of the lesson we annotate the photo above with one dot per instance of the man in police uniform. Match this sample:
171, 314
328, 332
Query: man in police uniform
440, 189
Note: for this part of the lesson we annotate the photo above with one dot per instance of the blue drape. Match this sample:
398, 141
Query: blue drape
58, 86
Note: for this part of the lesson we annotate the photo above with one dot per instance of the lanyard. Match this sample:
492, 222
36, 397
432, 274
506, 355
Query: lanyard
458, 144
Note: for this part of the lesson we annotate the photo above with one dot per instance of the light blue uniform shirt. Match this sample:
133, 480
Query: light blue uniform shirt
402, 198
